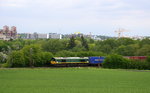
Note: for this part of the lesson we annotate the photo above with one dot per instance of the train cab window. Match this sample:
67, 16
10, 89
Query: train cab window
63, 60
58, 60
53, 59
82, 60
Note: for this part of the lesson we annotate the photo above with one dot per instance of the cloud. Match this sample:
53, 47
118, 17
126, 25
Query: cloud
60, 3
13, 3
75, 13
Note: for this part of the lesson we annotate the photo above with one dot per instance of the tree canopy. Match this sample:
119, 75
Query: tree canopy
38, 52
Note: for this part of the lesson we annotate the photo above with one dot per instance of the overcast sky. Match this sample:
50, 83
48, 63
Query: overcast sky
100, 17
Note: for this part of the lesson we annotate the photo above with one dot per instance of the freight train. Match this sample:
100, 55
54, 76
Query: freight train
68, 61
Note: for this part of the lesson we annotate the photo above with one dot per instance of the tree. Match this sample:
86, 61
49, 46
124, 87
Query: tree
3, 57
91, 41
106, 49
145, 41
78, 46
16, 59
106, 46
115, 61
125, 41
71, 43
16, 45
78, 49
92, 47
89, 53
84, 43
44, 59
32, 54
110, 42
65, 53
3, 46
144, 51
128, 50
53, 45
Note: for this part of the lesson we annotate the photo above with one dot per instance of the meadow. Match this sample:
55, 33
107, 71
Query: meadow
73, 80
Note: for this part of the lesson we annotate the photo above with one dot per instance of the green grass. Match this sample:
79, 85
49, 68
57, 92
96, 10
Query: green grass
73, 80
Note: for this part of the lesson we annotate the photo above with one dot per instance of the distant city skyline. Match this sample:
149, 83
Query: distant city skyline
102, 17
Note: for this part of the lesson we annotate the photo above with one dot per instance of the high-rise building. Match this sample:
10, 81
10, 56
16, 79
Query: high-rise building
42, 36
13, 31
5, 28
55, 36
9, 33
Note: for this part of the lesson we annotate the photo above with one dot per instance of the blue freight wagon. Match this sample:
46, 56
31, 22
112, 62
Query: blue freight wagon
96, 60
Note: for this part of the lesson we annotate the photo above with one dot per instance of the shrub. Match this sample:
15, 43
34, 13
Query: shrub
16, 59
3, 57
148, 59
43, 59
115, 61
31, 55
5, 65
135, 64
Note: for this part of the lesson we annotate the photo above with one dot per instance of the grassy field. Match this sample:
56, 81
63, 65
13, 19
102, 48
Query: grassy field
73, 80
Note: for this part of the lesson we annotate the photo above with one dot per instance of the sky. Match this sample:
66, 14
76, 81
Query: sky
100, 17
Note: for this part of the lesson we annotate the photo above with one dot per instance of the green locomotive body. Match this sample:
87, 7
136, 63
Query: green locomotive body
69, 60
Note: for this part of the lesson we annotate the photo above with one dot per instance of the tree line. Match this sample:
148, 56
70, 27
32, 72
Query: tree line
25, 53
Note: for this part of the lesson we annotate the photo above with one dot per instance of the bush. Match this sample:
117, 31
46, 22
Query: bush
5, 65
3, 57
148, 59
16, 59
135, 64
30, 55
43, 59
115, 61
